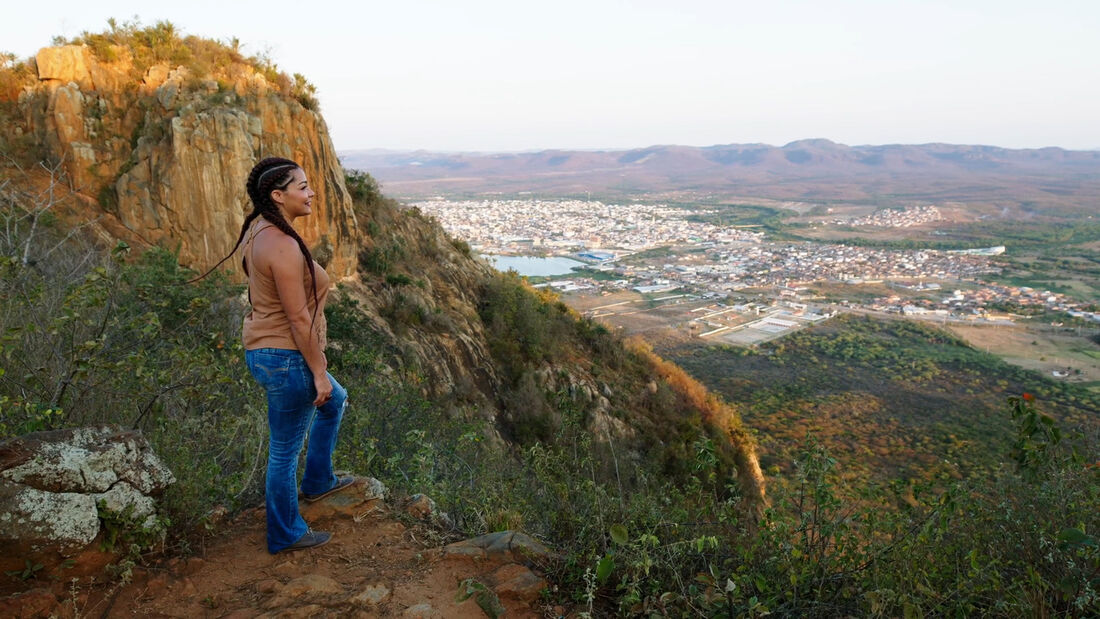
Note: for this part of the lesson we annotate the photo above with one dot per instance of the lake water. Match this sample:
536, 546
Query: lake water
534, 267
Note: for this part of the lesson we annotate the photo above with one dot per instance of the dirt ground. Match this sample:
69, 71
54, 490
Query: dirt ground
375, 566
630, 313
1044, 350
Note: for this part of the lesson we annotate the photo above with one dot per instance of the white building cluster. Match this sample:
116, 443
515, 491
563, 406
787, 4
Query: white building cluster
890, 218
704, 257
510, 226
735, 266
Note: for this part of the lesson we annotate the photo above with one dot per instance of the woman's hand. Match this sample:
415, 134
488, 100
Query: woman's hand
324, 389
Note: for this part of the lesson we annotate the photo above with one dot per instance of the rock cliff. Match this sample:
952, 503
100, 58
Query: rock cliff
166, 152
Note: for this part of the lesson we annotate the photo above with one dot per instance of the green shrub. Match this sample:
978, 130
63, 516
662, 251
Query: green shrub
93, 338
399, 279
462, 246
305, 93
163, 43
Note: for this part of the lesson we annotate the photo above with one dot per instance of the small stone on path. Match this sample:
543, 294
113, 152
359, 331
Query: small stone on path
422, 611
372, 595
517, 582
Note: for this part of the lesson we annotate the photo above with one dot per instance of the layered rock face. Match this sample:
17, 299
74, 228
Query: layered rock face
167, 158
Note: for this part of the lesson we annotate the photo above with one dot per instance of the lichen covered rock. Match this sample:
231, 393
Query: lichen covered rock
66, 520
54, 486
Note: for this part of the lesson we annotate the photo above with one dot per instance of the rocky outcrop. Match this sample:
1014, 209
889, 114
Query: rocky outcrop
55, 485
167, 158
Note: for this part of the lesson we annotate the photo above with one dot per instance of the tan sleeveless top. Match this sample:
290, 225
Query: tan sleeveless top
267, 325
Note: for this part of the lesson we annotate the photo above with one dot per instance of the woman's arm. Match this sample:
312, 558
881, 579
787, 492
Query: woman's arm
288, 270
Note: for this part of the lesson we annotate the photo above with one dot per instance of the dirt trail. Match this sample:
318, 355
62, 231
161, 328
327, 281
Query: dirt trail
375, 566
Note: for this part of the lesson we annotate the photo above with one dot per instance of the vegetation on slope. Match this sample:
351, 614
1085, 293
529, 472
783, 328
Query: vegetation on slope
541, 354
162, 42
891, 400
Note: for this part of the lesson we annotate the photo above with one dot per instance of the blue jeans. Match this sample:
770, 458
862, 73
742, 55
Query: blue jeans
288, 382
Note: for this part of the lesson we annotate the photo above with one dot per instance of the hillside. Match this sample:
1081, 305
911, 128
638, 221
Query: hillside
819, 171
892, 400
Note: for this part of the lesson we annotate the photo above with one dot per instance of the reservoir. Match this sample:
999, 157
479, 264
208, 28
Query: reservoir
531, 266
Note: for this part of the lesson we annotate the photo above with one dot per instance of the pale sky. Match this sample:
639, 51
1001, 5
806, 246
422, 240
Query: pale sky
495, 75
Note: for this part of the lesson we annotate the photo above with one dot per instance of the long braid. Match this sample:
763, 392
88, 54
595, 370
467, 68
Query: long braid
267, 175
240, 237
270, 174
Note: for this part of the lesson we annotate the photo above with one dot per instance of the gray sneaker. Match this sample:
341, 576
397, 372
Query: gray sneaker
311, 539
341, 483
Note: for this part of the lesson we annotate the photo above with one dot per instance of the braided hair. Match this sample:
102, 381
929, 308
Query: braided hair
268, 175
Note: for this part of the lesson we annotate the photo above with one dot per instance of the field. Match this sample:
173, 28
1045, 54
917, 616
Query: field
631, 313
1044, 350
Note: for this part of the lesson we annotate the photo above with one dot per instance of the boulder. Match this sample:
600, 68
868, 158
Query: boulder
67, 63
375, 489
353, 502
83, 460
51, 486
33, 518
501, 547
422, 507
154, 77
372, 596
313, 588
122, 496
514, 581
39, 602
422, 611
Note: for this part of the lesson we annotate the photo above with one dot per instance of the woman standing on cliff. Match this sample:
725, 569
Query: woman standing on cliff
284, 340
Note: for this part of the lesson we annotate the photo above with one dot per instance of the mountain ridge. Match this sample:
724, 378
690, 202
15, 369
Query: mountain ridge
812, 169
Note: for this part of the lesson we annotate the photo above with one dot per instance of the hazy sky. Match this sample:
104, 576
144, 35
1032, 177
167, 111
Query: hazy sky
515, 75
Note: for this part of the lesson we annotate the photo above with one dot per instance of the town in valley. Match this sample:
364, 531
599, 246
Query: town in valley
642, 266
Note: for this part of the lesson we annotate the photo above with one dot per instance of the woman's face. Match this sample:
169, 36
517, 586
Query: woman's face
297, 199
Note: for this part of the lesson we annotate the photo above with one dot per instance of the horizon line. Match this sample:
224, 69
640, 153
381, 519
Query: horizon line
519, 151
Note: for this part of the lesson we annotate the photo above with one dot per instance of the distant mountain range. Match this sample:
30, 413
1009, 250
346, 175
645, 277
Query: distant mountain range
805, 170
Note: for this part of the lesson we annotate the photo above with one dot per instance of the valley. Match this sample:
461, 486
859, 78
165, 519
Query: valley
890, 333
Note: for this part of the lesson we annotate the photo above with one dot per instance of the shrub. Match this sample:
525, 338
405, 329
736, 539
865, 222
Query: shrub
462, 246
367, 198
92, 337
305, 93
163, 42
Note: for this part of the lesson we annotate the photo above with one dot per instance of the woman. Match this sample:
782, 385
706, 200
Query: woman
284, 341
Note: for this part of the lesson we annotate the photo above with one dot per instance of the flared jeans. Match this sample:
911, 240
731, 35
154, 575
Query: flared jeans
288, 382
